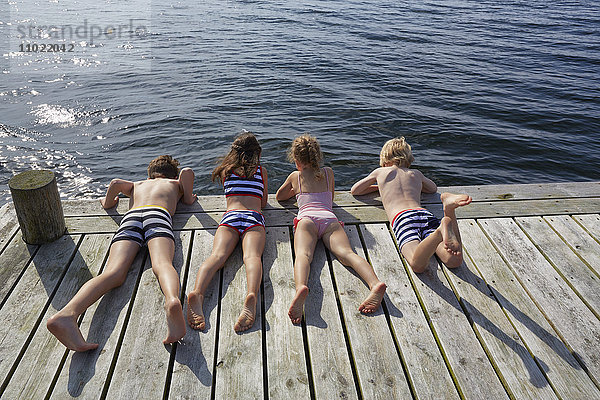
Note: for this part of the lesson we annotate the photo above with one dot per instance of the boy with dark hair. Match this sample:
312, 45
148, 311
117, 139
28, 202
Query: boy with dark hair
149, 221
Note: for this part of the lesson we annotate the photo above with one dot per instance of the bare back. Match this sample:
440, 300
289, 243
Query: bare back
400, 188
161, 192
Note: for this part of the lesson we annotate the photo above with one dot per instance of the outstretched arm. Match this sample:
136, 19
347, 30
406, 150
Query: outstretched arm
186, 185
366, 185
115, 187
428, 185
286, 190
265, 196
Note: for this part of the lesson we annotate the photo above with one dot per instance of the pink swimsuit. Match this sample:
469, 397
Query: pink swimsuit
317, 206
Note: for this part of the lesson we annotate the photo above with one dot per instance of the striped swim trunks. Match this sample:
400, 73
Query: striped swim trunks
242, 220
143, 223
413, 224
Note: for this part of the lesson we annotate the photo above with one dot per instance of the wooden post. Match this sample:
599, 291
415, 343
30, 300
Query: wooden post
38, 207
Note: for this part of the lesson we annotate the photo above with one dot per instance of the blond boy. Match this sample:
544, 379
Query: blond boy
418, 232
152, 204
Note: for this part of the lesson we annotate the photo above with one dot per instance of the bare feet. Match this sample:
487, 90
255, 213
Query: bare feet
246, 318
195, 314
373, 300
65, 329
175, 321
452, 201
297, 306
451, 242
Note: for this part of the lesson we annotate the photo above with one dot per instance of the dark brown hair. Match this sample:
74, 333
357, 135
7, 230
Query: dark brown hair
163, 167
244, 155
306, 150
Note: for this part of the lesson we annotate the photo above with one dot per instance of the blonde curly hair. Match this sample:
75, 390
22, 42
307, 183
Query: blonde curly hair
396, 151
306, 150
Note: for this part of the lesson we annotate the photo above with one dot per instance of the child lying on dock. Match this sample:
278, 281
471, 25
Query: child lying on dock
149, 221
245, 184
313, 187
418, 232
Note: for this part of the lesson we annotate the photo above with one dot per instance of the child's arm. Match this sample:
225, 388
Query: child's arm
332, 182
265, 196
115, 187
286, 190
186, 186
366, 185
428, 185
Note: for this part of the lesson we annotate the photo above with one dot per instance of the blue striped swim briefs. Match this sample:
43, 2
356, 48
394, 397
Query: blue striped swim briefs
413, 224
143, 223
242, 220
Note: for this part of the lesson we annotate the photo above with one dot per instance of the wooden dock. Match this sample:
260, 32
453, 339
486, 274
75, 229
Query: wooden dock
519, 319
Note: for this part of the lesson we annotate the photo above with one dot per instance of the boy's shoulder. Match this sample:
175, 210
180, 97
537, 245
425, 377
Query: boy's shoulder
157, 182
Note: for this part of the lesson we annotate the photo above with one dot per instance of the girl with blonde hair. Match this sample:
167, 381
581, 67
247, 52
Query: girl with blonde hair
313, 187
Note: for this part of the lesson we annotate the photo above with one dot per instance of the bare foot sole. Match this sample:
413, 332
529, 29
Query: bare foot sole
373, 300
451, 242
67, 332
452, 201
195, 314
297, 306
175, 321
246, 318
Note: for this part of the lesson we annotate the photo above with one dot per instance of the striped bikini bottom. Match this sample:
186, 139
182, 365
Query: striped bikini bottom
143, 223
242, 220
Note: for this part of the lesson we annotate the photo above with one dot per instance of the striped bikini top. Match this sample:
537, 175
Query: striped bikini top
237, 185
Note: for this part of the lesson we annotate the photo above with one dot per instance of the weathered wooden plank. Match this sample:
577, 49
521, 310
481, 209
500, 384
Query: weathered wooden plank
517, 369
141, 368
564, 372
527, 208
425, 365
579, 240
332, 372
194, 358
101, 224
12, 262
474, 374
22, 311
239, 356
35, 372
8, 224
92, 207
353, 215
490, 193
522, 208
379, 377
84, 374
577, 325
572, 269
188, 221
485, 193
591, 224
286, 365
529, 191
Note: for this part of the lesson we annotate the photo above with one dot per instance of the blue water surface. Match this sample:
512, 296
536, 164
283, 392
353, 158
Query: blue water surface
487, 92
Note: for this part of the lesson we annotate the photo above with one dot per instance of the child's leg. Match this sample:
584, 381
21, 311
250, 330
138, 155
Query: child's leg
305, 240
253, 245
63, 324
223, 245
450, 250
162, 250
336, 240
418, 253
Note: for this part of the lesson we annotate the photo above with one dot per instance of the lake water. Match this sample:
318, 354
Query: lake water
487, 92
